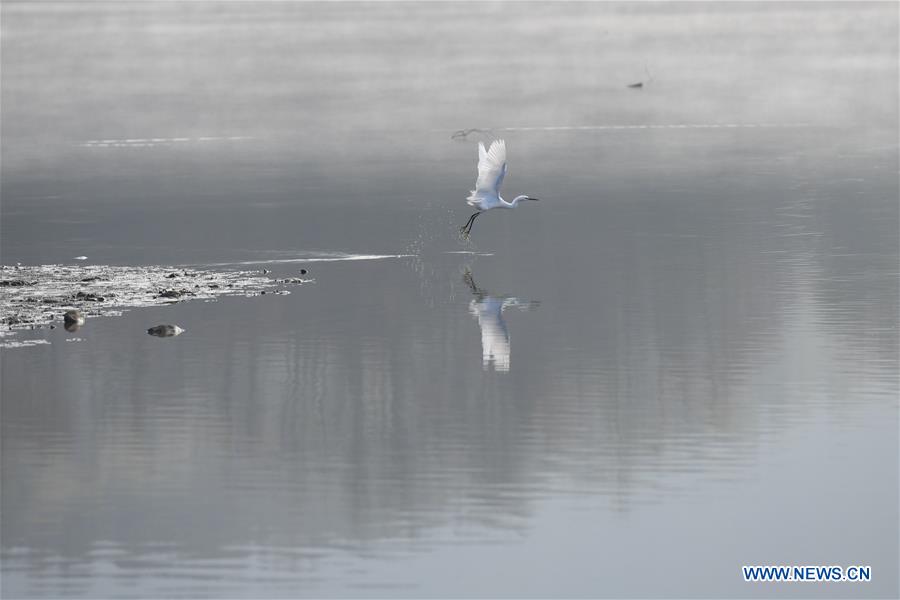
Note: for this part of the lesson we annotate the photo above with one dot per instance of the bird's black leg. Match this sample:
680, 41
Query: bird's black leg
465, 229
472, 222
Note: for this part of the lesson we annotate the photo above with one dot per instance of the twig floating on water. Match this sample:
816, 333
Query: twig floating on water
641, 84
464, 133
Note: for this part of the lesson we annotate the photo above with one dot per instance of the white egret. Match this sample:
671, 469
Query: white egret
486, 195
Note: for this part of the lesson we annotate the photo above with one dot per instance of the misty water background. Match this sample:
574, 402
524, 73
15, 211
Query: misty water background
706, 377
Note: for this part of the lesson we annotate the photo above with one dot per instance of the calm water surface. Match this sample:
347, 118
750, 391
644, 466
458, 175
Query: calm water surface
682, 361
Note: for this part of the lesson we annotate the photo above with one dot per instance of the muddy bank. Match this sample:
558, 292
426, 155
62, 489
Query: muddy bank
37, 297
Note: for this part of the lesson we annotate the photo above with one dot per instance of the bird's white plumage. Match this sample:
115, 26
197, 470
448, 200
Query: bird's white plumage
486, 195
491, 171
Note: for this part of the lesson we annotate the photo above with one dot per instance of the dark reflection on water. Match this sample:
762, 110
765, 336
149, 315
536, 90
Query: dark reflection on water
710, 379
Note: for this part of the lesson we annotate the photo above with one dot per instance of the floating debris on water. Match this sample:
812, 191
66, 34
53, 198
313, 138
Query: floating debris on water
79, 258
641, 84
165, 330
32, 297
463, 134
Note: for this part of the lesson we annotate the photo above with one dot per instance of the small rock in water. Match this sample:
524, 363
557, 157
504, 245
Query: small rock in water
165, 330
73, 320
73, 316
171, 276
303, 271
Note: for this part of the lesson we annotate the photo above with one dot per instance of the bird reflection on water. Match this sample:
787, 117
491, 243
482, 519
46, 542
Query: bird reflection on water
488, 309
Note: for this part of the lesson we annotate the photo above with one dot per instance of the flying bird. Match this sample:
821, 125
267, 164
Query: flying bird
486, 195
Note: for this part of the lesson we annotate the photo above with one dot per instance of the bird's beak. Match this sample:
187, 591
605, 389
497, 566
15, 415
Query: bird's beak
535, 199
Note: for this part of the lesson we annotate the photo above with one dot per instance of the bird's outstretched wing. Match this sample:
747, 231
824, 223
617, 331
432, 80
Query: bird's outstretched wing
491, 168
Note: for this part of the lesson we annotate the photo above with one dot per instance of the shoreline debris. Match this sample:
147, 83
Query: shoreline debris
32, 297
